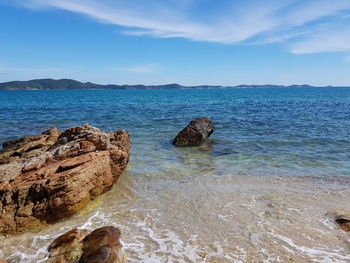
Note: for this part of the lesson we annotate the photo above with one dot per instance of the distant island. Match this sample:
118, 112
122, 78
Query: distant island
69, 84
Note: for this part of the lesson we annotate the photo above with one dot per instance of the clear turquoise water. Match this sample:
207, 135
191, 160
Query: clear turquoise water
264, 188
299, 132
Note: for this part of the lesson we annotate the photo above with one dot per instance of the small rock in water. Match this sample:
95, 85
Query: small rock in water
195, 133
343, 221
100, 246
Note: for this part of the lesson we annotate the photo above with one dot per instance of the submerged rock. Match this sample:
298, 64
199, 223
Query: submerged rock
50, 176
343, 221
100, 246
196, 132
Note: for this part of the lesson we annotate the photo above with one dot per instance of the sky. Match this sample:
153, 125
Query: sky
190, 42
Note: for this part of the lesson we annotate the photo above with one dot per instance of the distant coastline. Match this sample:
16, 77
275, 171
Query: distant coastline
70, 84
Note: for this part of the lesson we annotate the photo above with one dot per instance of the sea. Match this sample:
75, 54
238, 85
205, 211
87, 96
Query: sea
264, 188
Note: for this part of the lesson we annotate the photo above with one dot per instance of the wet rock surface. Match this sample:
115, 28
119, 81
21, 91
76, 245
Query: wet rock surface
50, 176
343, 221
78, 245
195, 133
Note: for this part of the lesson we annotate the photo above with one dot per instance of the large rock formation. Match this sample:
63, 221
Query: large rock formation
100, 246
50, 176
195, 133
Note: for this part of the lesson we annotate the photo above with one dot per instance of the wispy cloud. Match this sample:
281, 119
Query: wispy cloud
331, 40
294, 22
151, 68
18, 72
6, 69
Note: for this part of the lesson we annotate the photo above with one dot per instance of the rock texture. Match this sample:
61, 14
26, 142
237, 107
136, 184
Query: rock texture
100, 246
343, 221
195, 133
53, 175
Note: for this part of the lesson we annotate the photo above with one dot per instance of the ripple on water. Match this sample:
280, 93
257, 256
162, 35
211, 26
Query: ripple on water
192, 218
261, 190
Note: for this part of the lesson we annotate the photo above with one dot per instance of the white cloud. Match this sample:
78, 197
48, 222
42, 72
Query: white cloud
312, 10
334, 37
295, 22
328, 41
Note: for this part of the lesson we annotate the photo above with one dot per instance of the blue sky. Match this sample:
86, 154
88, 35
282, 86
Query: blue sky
191, 42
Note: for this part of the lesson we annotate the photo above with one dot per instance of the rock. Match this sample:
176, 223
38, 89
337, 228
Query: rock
59, 176
28, 147
100, 246
68, 247
195, 133
343, 221
3, 260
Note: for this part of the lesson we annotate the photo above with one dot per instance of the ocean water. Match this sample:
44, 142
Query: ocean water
262, 189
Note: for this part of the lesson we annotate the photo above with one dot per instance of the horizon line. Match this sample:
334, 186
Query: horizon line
168, 84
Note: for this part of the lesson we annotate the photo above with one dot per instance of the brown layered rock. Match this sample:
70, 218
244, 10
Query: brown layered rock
195, 133
100, 246
51, 176
28, 147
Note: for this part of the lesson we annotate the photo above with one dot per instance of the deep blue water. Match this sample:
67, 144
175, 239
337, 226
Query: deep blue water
299, 131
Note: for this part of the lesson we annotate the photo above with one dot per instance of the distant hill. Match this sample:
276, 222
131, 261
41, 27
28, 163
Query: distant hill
69, 84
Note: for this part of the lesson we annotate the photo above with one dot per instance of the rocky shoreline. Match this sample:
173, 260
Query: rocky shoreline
47, 177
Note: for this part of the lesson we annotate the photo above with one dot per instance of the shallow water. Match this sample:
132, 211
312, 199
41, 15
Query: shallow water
263, 189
